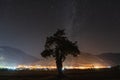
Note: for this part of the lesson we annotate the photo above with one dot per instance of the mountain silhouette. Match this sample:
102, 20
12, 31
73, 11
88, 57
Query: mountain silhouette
10, 56
111, 58
85, 59
81, 60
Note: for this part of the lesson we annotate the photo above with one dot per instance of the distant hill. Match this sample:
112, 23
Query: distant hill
82, 59
86, 58
13, 56
112, 58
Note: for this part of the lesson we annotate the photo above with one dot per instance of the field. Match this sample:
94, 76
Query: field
91, 74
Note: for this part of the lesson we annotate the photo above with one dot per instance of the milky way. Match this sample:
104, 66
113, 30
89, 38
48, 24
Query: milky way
25, 24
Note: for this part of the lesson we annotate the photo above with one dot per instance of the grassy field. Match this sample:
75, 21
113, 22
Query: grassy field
100, 74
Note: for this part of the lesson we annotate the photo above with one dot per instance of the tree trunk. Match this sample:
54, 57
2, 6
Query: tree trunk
59, 67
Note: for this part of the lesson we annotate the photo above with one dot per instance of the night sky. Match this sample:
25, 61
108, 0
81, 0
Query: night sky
95, 24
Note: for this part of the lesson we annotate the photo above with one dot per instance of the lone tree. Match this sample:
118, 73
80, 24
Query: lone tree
58, 46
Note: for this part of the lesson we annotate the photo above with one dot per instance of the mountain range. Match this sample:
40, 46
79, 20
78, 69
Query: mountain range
13, 56
82, 59
111, 58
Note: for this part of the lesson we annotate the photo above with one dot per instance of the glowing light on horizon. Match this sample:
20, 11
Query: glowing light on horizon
34, 67
65, 67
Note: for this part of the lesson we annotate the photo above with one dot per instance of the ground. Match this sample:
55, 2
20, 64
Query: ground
91, 74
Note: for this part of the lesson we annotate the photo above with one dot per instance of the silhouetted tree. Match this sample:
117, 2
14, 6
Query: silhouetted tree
58, 46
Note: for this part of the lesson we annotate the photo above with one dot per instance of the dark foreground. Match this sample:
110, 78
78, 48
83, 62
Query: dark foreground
100, 74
